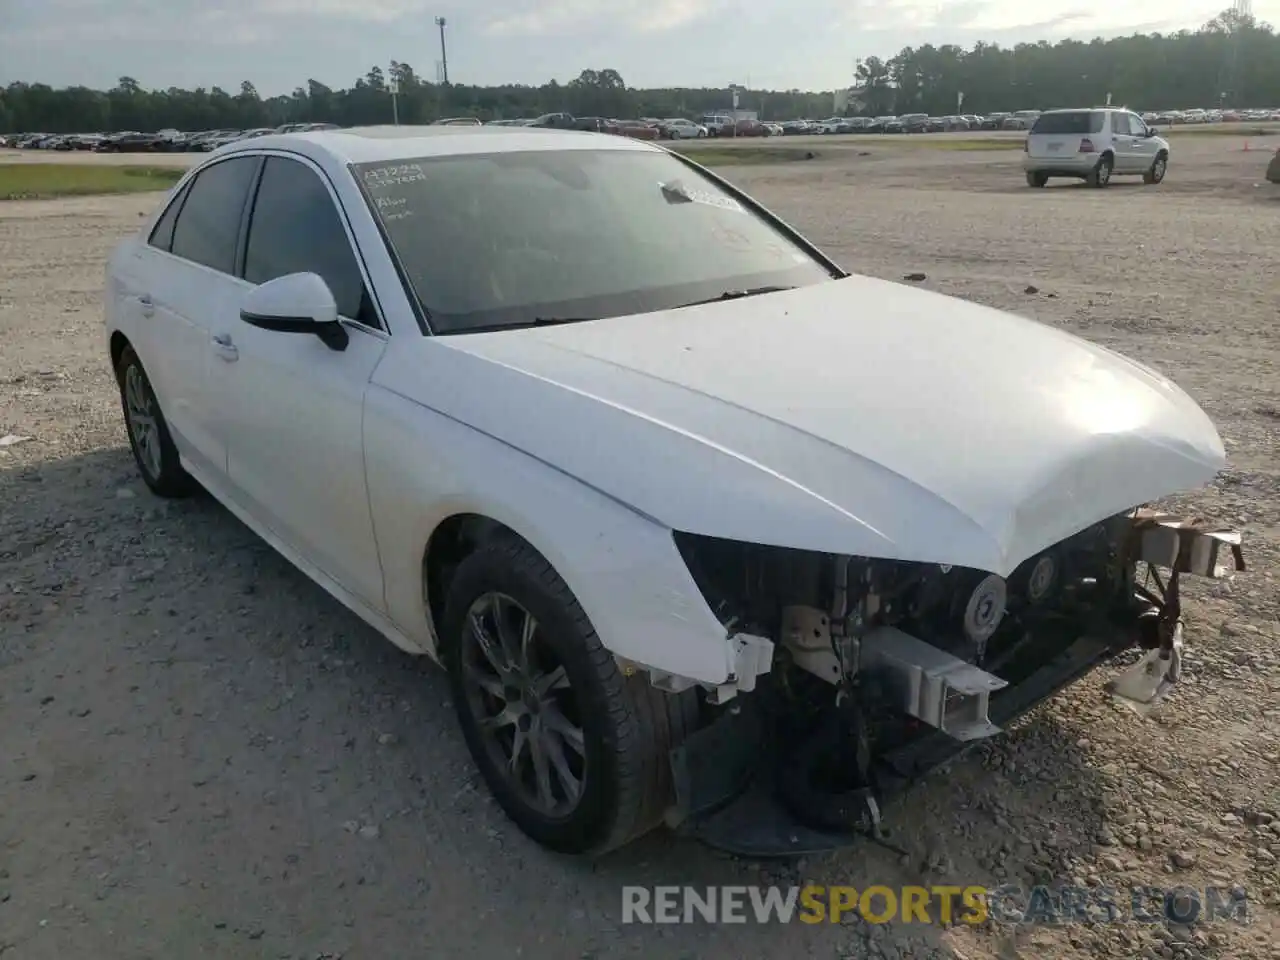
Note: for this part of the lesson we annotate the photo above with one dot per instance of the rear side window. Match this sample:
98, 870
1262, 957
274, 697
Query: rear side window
296, 229
162, 233
1075, 123
209, 222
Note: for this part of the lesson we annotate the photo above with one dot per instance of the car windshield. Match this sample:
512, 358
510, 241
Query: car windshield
1073, 122
518, 238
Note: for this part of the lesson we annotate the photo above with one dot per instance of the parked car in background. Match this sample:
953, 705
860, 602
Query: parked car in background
130, 143
681, 129
510, 440
457, 122
1020, 120
555, 121
1093, 145
717, 124
638, 130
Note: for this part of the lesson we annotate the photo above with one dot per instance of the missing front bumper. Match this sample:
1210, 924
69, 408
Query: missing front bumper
727, 775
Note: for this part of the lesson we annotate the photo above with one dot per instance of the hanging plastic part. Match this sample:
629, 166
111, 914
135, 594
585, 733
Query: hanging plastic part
1149, 681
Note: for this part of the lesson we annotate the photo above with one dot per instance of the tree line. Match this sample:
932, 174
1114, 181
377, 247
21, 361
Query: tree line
1232, 60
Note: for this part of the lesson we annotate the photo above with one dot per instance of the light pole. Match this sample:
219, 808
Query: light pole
444, 57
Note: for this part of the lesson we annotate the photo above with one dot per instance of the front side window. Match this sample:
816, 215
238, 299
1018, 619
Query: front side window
209, 223
1136, 126
295, 228
509, 239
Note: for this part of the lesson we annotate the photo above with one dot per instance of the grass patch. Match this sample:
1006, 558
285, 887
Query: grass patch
44, 181
712, 156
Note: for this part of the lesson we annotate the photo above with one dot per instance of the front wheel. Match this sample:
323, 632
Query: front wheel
1157, 171
574, 752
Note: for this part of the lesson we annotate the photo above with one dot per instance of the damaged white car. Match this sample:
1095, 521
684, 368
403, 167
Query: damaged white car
705, 529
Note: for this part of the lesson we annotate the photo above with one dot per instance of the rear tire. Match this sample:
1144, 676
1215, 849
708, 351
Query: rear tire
1100, 176
149, 438
604, 780
1037, 179
1159, 166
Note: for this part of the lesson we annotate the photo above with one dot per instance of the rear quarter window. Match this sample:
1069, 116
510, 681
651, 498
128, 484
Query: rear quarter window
1077, 122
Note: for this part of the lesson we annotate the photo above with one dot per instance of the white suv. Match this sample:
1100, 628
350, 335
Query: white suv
1093, 145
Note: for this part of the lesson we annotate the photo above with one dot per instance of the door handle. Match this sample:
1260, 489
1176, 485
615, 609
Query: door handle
148, 306
226, 349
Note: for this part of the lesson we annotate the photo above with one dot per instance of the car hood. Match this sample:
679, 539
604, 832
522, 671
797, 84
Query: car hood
854, 416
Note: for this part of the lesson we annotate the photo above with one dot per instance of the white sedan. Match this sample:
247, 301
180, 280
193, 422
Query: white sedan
680, 129
683, 507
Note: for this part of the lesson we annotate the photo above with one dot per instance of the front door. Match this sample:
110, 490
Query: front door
293, 406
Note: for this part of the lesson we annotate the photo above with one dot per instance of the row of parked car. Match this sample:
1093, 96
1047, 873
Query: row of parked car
645, 128
163, 141
1171, 117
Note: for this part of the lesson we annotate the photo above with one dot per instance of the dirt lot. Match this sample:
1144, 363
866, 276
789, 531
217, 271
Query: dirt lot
201, 754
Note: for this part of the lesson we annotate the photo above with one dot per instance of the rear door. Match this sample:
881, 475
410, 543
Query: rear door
184, 280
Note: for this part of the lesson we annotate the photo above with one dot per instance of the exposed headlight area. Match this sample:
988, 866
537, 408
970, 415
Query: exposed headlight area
974, 615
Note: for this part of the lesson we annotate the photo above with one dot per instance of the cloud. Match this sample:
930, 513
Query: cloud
540, 18
279, 44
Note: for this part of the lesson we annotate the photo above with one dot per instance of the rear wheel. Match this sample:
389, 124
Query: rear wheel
1037, 179
1100, 176
1158, 168
574, 752
149, 438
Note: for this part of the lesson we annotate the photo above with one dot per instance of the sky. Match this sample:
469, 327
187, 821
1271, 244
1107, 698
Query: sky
764, 44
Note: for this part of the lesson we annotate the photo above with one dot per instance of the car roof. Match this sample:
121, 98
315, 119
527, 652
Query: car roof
391, 143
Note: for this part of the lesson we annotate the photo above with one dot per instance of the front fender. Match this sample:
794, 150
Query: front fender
623, 567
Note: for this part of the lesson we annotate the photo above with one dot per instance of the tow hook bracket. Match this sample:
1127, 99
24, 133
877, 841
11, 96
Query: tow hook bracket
1186, 546
931, 684
1142, 686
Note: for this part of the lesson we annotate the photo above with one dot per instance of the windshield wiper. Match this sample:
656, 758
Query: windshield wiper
738, 294
554, 321
522, 324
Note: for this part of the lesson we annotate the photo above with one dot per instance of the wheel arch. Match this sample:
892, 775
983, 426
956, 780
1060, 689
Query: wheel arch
117, 343
453, 539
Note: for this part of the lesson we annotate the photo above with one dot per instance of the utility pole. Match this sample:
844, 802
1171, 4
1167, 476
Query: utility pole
444, 57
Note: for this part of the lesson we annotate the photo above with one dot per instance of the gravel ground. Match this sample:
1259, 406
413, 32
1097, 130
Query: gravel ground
201, 754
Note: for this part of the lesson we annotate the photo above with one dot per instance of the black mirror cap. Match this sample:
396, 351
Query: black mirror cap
332, 335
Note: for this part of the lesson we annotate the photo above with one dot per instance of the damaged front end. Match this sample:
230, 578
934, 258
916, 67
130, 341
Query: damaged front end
882, 670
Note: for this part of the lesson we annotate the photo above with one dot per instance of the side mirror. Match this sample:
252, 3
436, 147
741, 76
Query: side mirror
296, 303
1152, 131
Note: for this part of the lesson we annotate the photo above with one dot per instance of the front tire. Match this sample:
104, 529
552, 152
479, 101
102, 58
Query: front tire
574, 752
1156, 173
149, 438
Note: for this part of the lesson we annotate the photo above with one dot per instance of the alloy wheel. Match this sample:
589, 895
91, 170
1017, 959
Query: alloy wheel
140, 406
523, 704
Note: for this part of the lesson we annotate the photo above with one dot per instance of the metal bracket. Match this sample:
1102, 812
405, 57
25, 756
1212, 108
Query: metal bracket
1185, 545
931, 684
750, 657
1142, 686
